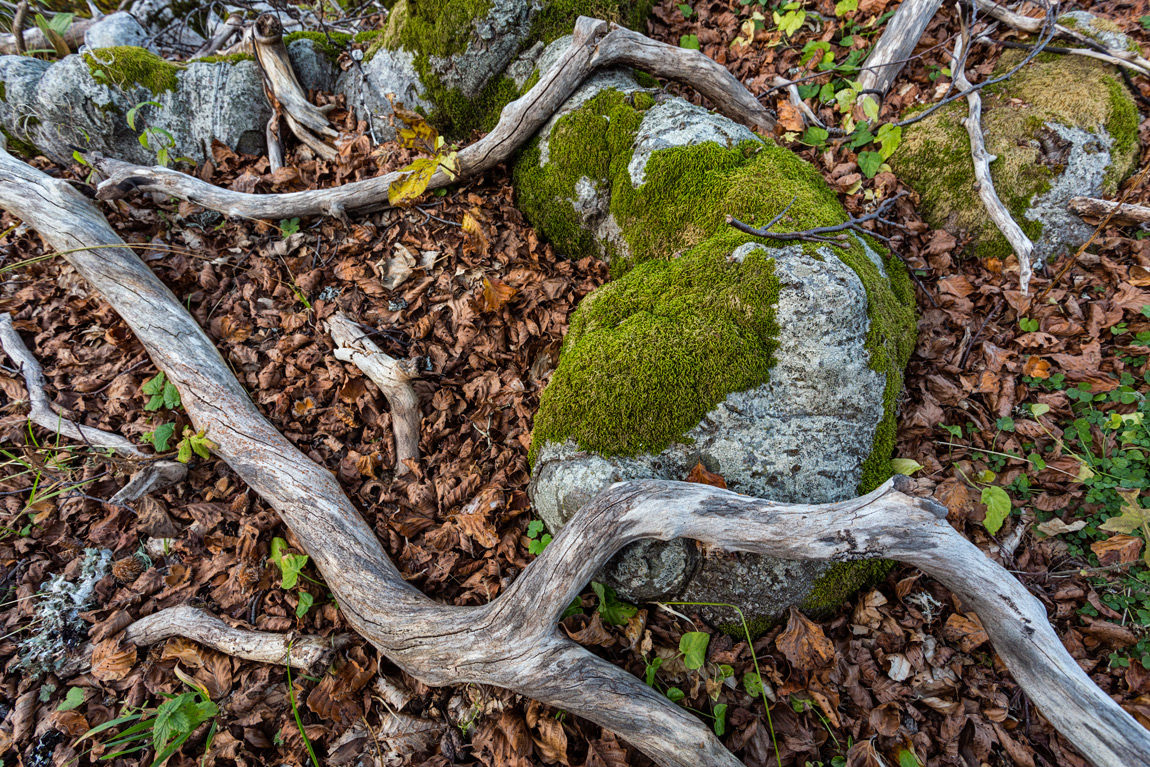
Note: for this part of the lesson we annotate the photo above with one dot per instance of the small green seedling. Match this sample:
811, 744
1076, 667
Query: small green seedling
537, 544
163, 393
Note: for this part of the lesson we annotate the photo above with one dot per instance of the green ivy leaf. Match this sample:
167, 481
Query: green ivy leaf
753, 684
74, 699
693, 645
306, 600
906, 466
689, 41
815, 136
614, 610
686, 10
160, 436
652, 669
843, 7
720, 712
870, 163
675, 694
997, 508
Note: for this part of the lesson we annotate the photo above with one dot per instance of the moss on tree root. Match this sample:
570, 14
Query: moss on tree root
935, 154
648, 355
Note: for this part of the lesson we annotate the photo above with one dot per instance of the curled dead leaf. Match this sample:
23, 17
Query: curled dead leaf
699, 475
496, 294
804, 643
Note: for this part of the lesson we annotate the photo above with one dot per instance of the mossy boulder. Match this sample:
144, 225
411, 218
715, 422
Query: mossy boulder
83, 100
775, 365
1061, 127
451, 58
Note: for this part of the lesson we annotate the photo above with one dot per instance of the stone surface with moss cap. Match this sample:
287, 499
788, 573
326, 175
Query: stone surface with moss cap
776, 367
1063, 126
83, 100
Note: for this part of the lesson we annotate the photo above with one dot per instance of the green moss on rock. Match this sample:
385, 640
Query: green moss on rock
680, 328
443, 28
127, 66
19, 146
935, 154
231, 58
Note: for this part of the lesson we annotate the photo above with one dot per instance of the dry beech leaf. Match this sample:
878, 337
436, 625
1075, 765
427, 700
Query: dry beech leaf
790, 116
112, 660
551, 742
474, 241
1056, 526
804, 643
496, 294
1117, 549
965, 631
302, 407
1036, 367
699, 475
1139, 276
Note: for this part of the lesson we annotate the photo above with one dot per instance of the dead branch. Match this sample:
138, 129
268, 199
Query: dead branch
983, 182
512, 641
596, 45
232, 26
894, 48
1119, 213
284, 92
819, 234
154, 475
393, 378
307, 653
809, 116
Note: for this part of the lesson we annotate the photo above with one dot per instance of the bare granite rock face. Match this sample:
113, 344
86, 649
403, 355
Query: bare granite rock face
118, 29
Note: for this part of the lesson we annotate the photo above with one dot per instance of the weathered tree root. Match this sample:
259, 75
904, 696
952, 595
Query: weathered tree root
1119, 213
596, 45
264, 40
897, 43
307, 653
983, 182
33, 39
393, 379
513, 642
153, 475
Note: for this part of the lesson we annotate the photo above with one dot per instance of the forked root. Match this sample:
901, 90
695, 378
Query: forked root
393, 378
154, 475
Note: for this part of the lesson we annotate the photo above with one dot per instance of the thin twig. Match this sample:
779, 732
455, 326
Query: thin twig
817, 234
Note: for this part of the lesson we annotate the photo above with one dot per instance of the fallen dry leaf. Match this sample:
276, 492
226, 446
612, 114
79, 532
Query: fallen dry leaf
804, 643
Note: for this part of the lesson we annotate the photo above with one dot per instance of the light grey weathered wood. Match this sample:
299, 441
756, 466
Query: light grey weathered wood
897, 43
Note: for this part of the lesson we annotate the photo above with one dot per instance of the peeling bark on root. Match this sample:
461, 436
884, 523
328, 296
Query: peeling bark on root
152, 476
596, 45
513, 641
393, 379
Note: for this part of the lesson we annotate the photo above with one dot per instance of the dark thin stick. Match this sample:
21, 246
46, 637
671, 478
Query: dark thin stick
817, 234
1070, 51
977, 333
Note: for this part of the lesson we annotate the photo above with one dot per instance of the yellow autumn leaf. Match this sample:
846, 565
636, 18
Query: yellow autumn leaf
413, 183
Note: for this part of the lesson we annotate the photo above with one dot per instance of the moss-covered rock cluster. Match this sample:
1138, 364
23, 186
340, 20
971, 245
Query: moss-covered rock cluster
1062, 126
777, 367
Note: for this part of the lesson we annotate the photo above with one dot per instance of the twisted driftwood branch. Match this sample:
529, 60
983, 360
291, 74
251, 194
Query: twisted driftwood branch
983, 182
393, 379
897, 43
596, 45
153, 476
513, 642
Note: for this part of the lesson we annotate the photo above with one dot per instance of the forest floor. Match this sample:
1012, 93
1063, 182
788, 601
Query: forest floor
1041, 396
